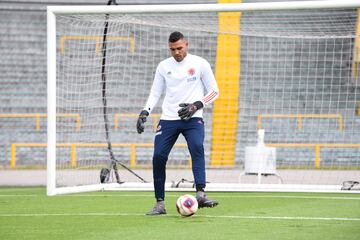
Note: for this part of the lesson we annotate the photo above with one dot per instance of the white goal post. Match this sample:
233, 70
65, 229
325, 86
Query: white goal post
289, 68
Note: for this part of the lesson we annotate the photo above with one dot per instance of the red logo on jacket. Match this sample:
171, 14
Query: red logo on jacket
191, 71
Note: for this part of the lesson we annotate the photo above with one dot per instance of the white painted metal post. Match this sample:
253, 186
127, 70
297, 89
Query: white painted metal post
231, 7
51, 103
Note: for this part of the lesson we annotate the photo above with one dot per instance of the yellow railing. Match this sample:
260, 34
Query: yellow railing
299, 118
74, 146
317, 147
38, 116
98, 40
117, 116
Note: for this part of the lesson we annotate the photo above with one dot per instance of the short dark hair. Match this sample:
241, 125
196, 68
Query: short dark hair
175, 36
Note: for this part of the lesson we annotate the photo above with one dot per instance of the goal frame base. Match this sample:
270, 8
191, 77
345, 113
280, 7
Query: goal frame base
211, 187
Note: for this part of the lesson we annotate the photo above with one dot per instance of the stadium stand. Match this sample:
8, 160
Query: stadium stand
23, 91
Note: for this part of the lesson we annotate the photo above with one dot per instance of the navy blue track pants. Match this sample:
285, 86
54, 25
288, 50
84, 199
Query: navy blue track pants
167, 133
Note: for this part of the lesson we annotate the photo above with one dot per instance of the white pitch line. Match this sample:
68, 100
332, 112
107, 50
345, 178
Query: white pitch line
172, 215
297, 197
287, 218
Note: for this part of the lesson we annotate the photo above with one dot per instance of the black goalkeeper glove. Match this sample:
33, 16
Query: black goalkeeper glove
188, 109
141, 120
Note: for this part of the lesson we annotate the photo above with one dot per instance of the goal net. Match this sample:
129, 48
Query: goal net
291, 73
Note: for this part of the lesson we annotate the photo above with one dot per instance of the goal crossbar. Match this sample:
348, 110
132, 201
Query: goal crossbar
230, 7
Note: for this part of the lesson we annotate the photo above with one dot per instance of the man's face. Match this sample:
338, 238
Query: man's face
179, 49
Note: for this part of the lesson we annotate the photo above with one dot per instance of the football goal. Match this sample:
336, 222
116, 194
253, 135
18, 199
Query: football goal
287, 118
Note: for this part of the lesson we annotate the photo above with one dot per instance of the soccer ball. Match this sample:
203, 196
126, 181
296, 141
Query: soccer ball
186, 205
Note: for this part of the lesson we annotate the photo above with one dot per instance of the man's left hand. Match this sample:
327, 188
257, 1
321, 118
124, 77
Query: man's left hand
188, 109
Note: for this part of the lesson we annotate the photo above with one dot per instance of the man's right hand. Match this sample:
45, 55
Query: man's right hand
141, 120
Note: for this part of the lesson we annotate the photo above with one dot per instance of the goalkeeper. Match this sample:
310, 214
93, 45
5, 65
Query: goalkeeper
185, 78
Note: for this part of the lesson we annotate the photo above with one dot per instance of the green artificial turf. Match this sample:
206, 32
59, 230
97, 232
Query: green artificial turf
27, 213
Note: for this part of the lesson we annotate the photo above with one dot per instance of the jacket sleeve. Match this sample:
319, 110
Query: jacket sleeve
210, 84
156, 91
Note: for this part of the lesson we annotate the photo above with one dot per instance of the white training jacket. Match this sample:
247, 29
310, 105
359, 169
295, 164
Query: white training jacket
184, 82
